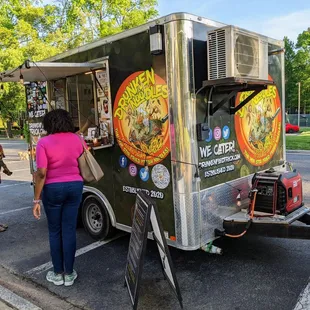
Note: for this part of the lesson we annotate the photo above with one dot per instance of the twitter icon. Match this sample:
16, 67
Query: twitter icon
144, 174
226, 132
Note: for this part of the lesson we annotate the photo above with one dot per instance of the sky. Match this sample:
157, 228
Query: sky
274, 18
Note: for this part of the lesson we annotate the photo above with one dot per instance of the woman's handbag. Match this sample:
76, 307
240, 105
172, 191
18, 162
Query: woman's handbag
89, 168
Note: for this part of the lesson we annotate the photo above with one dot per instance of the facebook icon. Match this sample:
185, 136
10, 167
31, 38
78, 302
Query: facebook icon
123, 161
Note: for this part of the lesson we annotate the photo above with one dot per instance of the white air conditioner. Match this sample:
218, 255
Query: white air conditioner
233, 52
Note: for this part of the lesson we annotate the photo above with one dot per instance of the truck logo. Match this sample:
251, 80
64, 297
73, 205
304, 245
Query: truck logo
140, 118
258, 125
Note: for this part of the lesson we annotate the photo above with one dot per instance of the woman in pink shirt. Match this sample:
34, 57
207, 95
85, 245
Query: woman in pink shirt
59, 181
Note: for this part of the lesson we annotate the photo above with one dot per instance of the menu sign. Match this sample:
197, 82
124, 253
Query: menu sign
146, 213
36, 99
137, 246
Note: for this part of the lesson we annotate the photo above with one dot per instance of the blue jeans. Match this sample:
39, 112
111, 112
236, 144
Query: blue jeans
61, 203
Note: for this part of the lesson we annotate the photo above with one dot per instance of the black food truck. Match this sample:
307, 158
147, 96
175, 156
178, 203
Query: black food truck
186, 109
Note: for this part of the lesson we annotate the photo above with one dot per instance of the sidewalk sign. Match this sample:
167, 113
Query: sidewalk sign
145, 214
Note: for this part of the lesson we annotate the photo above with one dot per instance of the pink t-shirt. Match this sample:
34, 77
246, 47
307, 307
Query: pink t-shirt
59, 154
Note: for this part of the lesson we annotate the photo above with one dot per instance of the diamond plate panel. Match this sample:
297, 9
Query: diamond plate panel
219, 202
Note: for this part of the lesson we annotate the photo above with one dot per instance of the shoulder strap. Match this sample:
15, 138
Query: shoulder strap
82, 141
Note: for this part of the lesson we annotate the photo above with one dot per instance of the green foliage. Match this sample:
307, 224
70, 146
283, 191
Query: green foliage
297, 69
26, 132
31, 30
99, 18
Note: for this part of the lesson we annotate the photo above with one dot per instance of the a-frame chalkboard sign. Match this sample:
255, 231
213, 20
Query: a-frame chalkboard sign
145, 214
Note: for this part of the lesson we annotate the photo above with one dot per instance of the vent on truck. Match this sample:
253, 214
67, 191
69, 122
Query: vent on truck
217, 54
236, 53
246, 54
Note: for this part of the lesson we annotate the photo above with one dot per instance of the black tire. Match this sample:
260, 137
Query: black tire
290, 131
96, 219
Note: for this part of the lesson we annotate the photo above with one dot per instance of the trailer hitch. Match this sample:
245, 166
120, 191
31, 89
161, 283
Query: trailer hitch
305, 219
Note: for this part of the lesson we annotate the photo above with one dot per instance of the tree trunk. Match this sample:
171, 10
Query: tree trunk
8, 130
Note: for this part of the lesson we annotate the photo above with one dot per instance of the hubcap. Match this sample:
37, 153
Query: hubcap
94, 218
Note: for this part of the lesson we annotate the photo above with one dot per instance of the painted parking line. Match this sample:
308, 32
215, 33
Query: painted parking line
16, 301
303, 302
15, 210
79, 252
15, 184
14, 161
21, 170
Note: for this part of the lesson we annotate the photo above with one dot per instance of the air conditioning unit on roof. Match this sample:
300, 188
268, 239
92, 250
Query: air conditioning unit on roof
233, 52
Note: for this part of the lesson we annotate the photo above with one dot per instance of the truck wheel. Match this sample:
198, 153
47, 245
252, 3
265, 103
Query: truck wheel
96, 219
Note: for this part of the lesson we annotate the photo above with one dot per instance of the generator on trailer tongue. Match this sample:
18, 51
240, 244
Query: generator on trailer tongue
277, 192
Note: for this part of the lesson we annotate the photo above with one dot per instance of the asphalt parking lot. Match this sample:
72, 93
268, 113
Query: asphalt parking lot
254, 272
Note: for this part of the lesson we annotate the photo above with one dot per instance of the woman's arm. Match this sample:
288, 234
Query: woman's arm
39, 181
39, 178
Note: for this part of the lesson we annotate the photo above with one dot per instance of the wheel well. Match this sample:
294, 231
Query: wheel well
101, 198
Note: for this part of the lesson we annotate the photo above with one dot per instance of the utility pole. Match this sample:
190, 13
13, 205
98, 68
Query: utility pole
298, 122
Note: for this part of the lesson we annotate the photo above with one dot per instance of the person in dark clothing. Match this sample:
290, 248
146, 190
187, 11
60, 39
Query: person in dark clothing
3, 227
2, 164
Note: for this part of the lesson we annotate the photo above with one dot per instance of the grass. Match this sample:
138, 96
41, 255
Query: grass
304, 129
301, 142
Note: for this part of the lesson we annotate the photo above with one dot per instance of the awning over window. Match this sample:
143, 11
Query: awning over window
46, 71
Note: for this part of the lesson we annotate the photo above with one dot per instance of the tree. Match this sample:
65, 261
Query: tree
99, 18
290, 75
27, 31
302, 63
31, 30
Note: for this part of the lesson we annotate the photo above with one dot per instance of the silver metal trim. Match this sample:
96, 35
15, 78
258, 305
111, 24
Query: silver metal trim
243, 217
13, 75
123, 227
149, 236
103, 198
180, 80
283, 104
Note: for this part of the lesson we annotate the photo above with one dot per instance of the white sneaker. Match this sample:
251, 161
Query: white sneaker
69, 278
55, 278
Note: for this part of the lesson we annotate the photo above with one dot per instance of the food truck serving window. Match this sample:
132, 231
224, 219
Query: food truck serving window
89, 104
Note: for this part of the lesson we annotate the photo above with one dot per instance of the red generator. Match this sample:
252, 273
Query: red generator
277, 192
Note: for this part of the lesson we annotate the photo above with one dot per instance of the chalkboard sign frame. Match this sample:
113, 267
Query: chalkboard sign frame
133, 274
164, 253
142, 200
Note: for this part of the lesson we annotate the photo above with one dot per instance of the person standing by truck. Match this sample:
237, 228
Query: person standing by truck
59, 181
3, 227
2, 164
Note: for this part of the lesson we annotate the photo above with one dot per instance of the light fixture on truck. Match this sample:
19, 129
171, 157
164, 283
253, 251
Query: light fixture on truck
156, 40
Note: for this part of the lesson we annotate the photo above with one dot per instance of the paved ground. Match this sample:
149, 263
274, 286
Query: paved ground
254, 273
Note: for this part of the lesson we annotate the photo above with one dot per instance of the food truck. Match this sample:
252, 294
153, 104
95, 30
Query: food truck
190, 111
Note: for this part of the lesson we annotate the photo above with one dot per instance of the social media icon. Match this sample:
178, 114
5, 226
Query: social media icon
133, 170
226, 132
123, 161
217, 133
144, 174
210, 136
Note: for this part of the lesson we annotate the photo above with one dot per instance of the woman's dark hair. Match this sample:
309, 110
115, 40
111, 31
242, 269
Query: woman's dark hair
58, 120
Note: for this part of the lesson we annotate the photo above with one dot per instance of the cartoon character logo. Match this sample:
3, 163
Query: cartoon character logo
258, 125
141, 118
